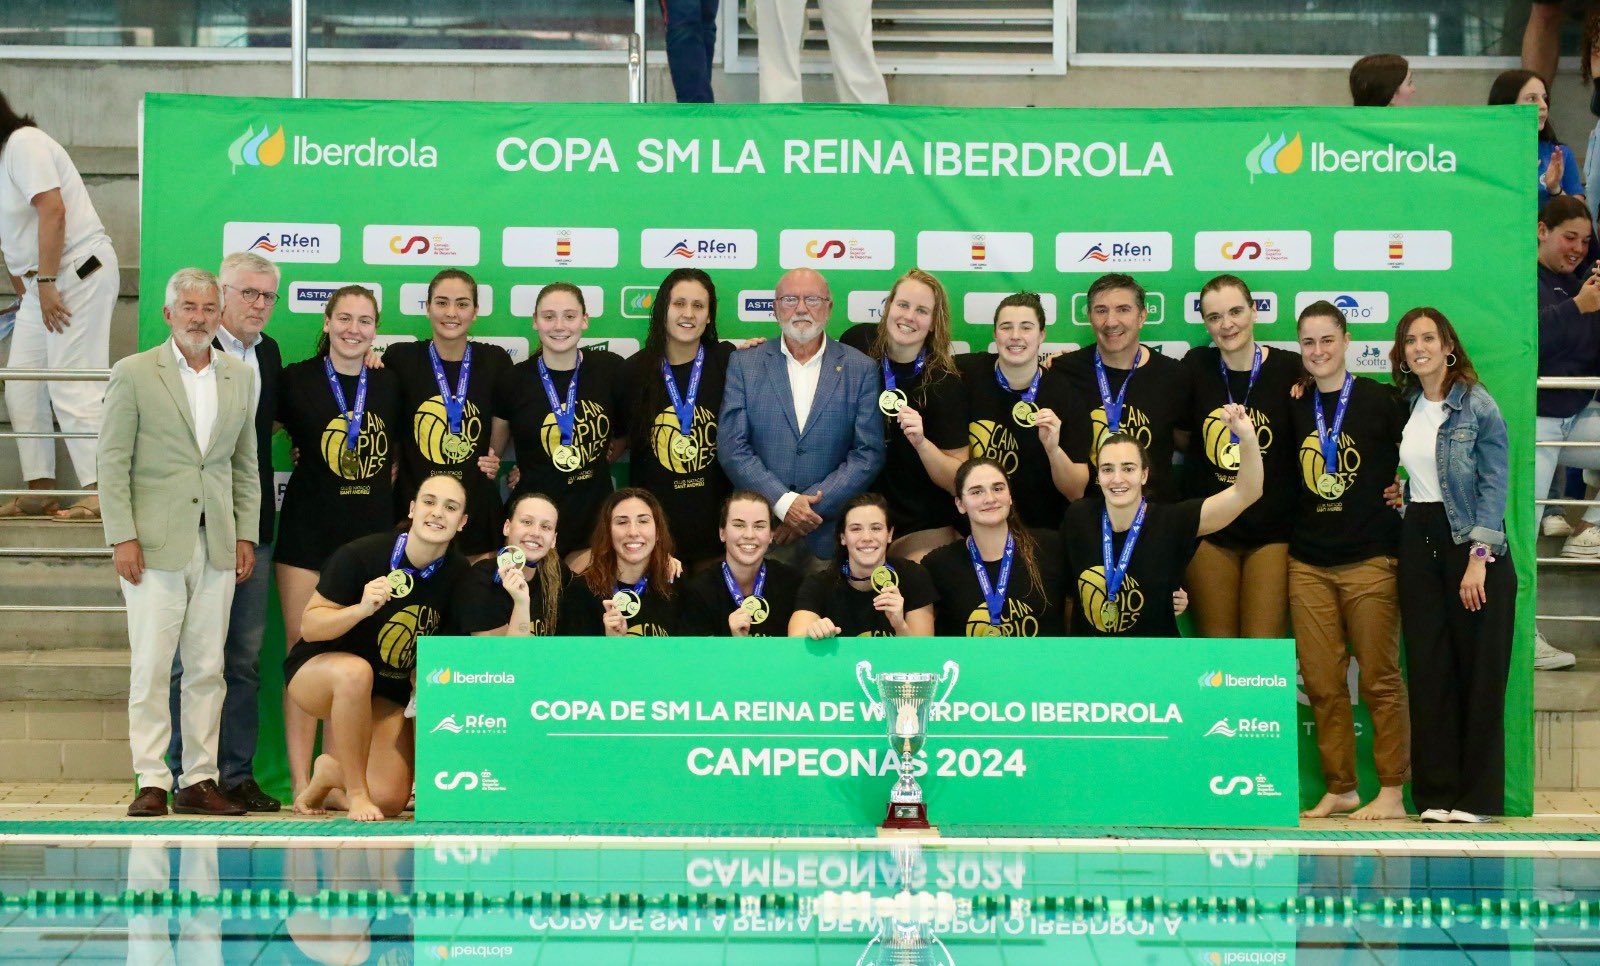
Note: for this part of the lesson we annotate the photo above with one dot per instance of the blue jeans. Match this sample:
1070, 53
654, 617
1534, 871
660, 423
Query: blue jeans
1583, 426
241, 672
691, 37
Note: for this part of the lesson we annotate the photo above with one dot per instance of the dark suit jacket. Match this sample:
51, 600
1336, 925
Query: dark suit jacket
271, 361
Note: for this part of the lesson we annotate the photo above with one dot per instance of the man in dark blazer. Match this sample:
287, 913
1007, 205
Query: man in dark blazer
800, 422
249, 295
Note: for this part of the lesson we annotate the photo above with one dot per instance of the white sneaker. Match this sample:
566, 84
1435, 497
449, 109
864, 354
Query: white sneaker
1457, 815
1555, 525
1585, 543
1435, 815
1548, 657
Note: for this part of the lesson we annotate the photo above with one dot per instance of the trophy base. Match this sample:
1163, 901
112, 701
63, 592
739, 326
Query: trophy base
907, 817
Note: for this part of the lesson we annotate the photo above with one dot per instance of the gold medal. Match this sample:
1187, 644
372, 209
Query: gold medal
566, 458
349, 464
400, 582
1025, 413
1330, 486
1110, 615
756, 607
986, 629
510, 557
627, 603
1228, 459
884, 577
891, 401
684, 447
455, 447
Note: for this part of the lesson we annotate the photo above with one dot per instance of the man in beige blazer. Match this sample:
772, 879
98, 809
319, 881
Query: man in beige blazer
181, 502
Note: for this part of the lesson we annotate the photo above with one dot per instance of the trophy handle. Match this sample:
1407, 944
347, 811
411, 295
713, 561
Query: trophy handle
952, 671
863, 678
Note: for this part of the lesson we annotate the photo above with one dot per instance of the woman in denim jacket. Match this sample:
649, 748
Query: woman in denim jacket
1457, 586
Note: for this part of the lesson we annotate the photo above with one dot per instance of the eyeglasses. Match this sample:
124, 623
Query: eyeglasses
250, 295
812, 301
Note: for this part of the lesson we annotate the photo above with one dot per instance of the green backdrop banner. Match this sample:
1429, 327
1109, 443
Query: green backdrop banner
1037, 734
1378, 210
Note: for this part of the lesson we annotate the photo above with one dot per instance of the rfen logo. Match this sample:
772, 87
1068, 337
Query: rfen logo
836, 249
756, 305
1097, 252
969, 251
697, 247
283, 241
414, 299
559, 247
1252, 251
1358, 307
1266, 307
524, 298
310, 297
1414, 251
978, 308
420, 245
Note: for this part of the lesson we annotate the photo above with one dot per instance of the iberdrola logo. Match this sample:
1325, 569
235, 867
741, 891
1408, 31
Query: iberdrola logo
263, 147
1282, 156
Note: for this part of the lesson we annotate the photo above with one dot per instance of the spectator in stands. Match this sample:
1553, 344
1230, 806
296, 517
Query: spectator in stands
1591, 154
182, 507
1382, 80
249, 294
1458, 586
1558, 169
780, 33
800, 423
691, 41
62, 266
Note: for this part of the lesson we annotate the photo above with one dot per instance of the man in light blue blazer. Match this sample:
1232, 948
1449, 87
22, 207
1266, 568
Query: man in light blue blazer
800, 422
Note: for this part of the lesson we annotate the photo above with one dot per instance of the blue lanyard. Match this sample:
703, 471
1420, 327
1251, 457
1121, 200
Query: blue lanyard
566, 414
1028, 395
1330, 438
685, 408
638, 588
352, 430
1255, 370
844, 568
1113, 407
399, 553
733, 585
922, 360
1115, 575
454, 406
994, 595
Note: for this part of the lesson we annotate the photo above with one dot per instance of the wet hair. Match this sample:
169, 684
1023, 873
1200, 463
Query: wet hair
10, 121
1562, 209
1026, 300
1461, 371
1375, 78
333, 303
654, 392
1116, 280
938, 362
549, 565
1510, 83
460, 276
738, 496
841, 556
1027, 548
602, 573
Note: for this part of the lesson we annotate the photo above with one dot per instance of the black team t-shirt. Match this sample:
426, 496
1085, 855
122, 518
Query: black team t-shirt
327, 504
482, 592
961, 609
520, 399
687, 479
706, 603
1206, 469
582, 613
827, 594
1156, 405
1144, 602
387, 640
993, 431
425, 449
1356, 524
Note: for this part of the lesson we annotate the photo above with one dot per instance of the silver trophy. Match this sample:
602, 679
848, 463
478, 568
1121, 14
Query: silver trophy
904, 699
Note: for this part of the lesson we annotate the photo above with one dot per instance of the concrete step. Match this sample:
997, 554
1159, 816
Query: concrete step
47, 581
55, 740
64, 674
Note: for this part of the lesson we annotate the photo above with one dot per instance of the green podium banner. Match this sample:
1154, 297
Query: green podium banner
1035, 734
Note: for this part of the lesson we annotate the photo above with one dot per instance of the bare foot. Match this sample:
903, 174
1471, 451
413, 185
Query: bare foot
362, 809
335, 802
325, 777
1389, 804
1332, 804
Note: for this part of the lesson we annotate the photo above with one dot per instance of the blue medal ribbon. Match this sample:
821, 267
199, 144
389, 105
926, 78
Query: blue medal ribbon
1115, 574
1329, 438
566, 413
352, 429
1113, 407
637, 588
684, 407
994, 594
399, 554
1028, 395
1255, 370
733, 585
454, 406
922, 360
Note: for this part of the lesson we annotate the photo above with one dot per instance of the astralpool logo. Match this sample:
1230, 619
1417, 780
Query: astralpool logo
257, 148
1285, 155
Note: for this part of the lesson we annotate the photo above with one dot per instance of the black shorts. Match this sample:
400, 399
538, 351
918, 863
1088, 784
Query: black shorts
397, 690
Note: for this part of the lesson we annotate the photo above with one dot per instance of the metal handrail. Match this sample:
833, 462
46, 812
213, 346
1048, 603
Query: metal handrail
56, 375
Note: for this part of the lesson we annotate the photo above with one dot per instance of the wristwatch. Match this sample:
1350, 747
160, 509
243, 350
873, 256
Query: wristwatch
41, 279
1480, 551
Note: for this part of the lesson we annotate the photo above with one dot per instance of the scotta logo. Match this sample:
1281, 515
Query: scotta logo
257, 148
1282, 156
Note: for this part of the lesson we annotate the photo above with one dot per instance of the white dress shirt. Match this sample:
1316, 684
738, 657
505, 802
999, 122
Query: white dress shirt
201, 388
803, 379
234, 347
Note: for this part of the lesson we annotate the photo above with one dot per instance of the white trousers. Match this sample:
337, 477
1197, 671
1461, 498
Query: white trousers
86, 344
780, 30
199, 940
184, 611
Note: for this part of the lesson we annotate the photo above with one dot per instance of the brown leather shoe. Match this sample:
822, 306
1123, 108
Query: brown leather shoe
205, 798
151, 801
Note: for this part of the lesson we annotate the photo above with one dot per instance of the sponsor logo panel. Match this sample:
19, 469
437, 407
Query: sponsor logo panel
523, 298
516, 346
419, 245
755, 305
971, 251
522, 247
1098, 252
1368, 358
414, 299
1155, 305
1358, 307
309, 298
637, 300
622, 347
697, 247
836, 249
978, 308
1414, 251
1252, 251
288, 242
865, 306
1227, 679
1266, 307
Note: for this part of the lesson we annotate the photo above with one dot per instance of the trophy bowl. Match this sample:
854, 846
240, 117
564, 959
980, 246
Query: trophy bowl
904, 699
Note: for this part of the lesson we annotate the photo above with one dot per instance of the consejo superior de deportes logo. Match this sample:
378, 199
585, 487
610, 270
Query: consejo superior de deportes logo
263, 147
1281, 156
